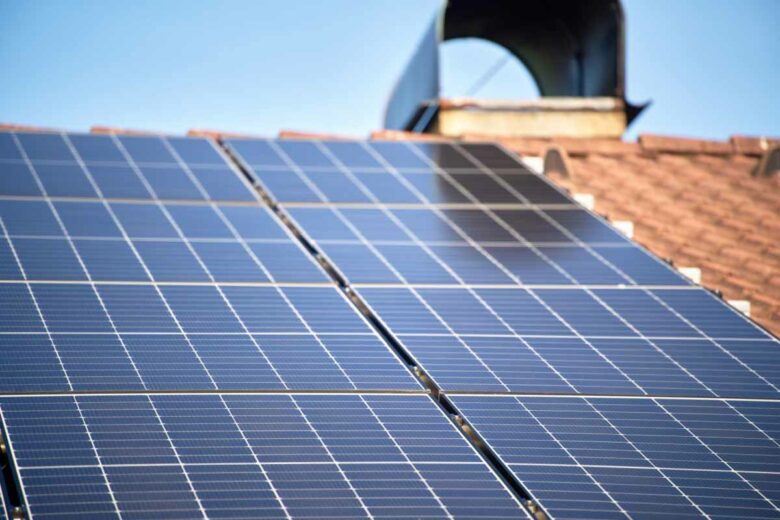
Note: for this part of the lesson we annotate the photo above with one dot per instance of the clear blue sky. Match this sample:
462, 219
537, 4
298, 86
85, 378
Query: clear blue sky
711, 67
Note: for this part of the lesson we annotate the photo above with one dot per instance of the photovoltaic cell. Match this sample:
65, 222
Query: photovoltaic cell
228, 455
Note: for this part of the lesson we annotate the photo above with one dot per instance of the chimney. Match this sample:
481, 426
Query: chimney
574, 50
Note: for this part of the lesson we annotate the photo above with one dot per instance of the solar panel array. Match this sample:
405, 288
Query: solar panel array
170, 348
607, 384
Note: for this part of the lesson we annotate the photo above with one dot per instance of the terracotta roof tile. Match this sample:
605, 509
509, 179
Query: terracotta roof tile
98, 129
665, 144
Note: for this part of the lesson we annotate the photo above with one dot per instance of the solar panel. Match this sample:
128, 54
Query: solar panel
170, 348
630, 458
248, 455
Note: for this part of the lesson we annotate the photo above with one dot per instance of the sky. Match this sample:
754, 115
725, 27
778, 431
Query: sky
711, 68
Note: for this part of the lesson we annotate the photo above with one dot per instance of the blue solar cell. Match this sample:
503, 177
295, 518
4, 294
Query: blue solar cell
524, 312
234, 491
118, 181
418, 266
427, 225
583, 313
137, 308
398, 155
325, 310
194, 150
286, 186
222, 184
443, 155
96, 148
490, 155
287, 263
402, 312
28, 218
585, 227
535, 189
234, 362
251, 222
171, 261
485, 189
305, 154
44, 146
645, 313
335, 186
479, 226
97, 362
48, 259
352, 154
359, 264
201, 309
322, 224
375, 224
38, 369
170, 182
532, 226
168, 362
263, 309
70, 308
302, 361
386, 188
470, 265
9, 267
146, 149
199, 221
256, 152
18, 312
143, 221
582, 266
17, 179
229, 262
64, 180
434, 188
528, 266
464, 313
8, 147
584, 366
657, 370
86, 219
108, 260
